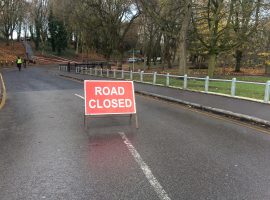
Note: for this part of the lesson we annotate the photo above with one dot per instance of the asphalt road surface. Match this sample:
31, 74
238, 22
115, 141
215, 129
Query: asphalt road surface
45, 152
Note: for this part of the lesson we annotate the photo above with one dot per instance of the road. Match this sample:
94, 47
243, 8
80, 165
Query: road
178, 153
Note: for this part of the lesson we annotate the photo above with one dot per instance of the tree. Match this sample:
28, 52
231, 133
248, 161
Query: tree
9, 16
39, 27
173, 18
245, 20
211, 21
111, 20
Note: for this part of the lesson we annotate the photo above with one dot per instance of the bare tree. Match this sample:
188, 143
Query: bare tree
10, 13
173, 17
39, 27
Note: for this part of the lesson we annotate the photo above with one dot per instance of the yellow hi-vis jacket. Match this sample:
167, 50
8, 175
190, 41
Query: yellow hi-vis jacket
19, 61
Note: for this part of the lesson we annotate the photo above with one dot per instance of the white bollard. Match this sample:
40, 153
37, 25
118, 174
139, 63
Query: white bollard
206, 86
185, 81
167, 79
131, 75
141, 76
101, 72
267, 92
154, 78
122, 76
233, 87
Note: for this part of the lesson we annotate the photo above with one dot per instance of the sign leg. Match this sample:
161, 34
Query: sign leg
84, 121
137, 123
130, 118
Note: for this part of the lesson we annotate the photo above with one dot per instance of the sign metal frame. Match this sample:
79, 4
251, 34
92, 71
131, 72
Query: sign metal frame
99, 115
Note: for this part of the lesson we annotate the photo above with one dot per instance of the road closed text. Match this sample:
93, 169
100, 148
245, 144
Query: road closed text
109, 97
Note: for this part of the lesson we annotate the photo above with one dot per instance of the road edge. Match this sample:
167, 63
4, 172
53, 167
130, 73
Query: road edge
237, 116
4, 92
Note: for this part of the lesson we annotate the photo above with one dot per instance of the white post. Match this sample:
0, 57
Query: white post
114, 73
233, 87
91, 71
167, 79
108, 73
185, 81
154, 78
266, 94
206, 84
95, 71
101, 72
133, 61
122, 74
141, 76
131, 75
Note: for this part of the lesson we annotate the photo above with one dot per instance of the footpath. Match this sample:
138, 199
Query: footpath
241, 109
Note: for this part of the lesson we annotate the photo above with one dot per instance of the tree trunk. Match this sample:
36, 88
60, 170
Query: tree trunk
182, 54
212, 60
120, 61
182, 49
238, 57
19, 32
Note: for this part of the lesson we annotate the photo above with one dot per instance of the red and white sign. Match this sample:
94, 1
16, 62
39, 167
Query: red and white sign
109, 97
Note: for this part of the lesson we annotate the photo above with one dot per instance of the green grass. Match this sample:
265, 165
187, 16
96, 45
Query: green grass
248, 90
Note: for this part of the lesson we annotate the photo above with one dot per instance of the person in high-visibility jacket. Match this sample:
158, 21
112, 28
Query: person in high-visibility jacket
19, 63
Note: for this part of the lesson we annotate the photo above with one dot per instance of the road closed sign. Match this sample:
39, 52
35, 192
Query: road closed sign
109, 97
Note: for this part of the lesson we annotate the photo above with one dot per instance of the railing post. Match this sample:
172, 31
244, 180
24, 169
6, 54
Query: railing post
114, 73
154, 78
95, 71
101, 72
167, 79
185, 81
131, 75
141, 76
233, 87
266, 94
206, 87
122, 74
91, 71
108, 73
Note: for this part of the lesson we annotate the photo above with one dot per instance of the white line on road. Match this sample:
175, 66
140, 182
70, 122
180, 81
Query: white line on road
146, 170
79, 96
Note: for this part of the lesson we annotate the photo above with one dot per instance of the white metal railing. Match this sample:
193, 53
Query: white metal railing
166, 79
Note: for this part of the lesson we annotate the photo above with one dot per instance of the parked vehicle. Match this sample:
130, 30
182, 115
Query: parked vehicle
131, 60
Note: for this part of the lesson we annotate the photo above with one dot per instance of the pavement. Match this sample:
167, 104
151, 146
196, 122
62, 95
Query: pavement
242, 109
177, 153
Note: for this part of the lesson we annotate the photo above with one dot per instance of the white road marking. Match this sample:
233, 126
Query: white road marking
146, 170
79, 96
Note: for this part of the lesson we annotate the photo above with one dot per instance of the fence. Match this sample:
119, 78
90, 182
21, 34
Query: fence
77, 66
234, 87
